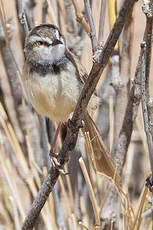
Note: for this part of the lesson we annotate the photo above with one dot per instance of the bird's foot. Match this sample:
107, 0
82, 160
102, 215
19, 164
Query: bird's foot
56, 164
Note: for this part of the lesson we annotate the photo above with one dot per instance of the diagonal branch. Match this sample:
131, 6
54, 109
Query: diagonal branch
120, 150
145, 72
74, 124
147, 125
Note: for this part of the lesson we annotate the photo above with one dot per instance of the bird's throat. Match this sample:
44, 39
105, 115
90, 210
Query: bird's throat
44, 67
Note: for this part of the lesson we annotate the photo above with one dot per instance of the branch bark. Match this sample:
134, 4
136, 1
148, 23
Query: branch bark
147, 125
146, 46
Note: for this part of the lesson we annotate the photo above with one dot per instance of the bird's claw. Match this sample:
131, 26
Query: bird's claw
56, 164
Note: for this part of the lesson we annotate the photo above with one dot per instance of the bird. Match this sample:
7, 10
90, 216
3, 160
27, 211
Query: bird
53, 79
51, 76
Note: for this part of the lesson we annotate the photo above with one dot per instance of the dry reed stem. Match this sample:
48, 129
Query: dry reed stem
51, 14
144, 141
74, 222
127, 214
79, 16
33, 164
121, 195
66, 199
84, 227
84, 217
62, 19
112, 10
15, 213
91, 193
49, 208
3, 21
52, 209
95, 6
111, 123
69, 190
140, 207
111, 226
3, 218
104, 200
36, 175
13, 140
17, 149
5, 206
12, 186
89, 149
89, 15
47, 218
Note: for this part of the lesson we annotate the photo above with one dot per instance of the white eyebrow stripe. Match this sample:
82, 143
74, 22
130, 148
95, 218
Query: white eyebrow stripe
57, 34
35, 38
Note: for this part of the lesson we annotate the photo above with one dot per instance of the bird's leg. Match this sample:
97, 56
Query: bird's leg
53, 156
55, 138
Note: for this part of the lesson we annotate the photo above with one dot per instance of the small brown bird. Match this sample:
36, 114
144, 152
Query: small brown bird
53, 78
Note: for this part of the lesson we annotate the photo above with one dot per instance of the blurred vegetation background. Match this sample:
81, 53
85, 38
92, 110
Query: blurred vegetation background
86, 198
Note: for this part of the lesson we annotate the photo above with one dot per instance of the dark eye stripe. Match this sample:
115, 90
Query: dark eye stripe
41, 43
46, 43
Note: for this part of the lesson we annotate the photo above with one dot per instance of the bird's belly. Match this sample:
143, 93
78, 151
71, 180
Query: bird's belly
53, 96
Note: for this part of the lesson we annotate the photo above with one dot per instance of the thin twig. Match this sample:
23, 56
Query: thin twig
75, 123
147, 125
12, 76
21, 16
15, 212
92, 26
121, 64
91, 193
44, 11
80, 17
13, 191
102, 21
120, 150
58, 212
29, 7
23, 25
70, 16
148, 11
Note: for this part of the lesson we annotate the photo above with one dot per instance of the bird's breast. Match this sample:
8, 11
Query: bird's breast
53, 95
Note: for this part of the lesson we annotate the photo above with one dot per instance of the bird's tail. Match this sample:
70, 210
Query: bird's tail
101, 158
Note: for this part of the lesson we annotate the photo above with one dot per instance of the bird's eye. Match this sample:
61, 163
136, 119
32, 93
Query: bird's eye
40, 43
